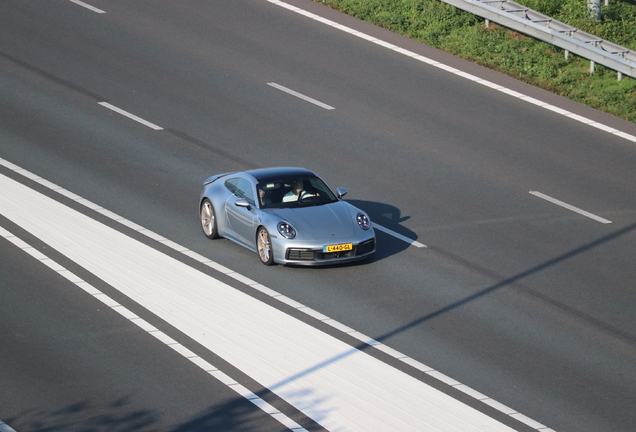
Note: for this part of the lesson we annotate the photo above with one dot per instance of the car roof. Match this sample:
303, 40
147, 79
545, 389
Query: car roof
270, 174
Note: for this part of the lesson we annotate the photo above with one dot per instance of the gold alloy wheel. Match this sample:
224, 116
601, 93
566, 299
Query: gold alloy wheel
264, 247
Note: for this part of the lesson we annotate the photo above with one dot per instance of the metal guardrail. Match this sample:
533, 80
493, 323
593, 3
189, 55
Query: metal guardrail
527, 21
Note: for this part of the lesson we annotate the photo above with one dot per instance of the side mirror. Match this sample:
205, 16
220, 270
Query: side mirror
341, 192
242, 202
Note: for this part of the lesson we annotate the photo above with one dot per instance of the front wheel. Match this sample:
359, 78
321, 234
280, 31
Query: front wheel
264, 247
208, 220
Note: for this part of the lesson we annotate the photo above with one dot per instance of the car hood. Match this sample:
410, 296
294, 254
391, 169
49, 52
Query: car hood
329, 221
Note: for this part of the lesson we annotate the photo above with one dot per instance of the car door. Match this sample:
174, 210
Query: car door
241, 220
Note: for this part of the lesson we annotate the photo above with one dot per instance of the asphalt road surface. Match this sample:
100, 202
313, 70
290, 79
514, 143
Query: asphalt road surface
520, 284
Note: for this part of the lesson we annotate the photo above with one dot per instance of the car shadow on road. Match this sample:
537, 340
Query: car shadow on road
390, 217
387, 216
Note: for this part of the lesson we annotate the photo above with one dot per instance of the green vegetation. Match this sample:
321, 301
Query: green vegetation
450, 29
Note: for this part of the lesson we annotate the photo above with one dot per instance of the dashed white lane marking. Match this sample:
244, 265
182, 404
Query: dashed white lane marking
301, 96
570, 207
152, 330
87, 6
284, 299
5, 427
130, 116
398, 236
457, 72
286, 90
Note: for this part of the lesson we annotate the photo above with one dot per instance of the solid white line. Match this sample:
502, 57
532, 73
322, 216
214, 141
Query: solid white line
87, 6
335, 384
570, 207
130, 116
150, 329
301, 96
398, 236
265, 290
455, 71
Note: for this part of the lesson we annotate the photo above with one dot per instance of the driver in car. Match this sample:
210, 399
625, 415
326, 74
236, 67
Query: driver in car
297, 192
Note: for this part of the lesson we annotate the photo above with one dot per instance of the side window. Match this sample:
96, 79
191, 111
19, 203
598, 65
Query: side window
241, 188
231, 185
246, 190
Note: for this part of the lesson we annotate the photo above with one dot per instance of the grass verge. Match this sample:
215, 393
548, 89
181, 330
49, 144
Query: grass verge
460, 33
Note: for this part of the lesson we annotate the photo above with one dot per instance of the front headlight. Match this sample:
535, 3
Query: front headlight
363, 221
286, 230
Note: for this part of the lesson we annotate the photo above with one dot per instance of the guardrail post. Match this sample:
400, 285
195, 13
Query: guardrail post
591, 66
595, 8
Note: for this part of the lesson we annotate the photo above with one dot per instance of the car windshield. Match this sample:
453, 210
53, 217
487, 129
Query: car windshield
294, 193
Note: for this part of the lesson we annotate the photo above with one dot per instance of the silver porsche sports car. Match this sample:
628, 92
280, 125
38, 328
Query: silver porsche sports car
286, 216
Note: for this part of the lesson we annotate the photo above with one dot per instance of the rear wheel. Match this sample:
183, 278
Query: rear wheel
208, 220
264, 247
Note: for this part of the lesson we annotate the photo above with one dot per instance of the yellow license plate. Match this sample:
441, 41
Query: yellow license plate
338, 248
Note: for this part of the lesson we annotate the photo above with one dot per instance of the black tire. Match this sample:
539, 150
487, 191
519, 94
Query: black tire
264, 247
208, 219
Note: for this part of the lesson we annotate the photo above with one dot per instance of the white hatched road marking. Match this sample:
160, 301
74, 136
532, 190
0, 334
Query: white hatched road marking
570, 207
455, 71
340, 356
150, 329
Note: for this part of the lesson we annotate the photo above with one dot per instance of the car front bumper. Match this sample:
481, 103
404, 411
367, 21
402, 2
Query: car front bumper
304, 254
